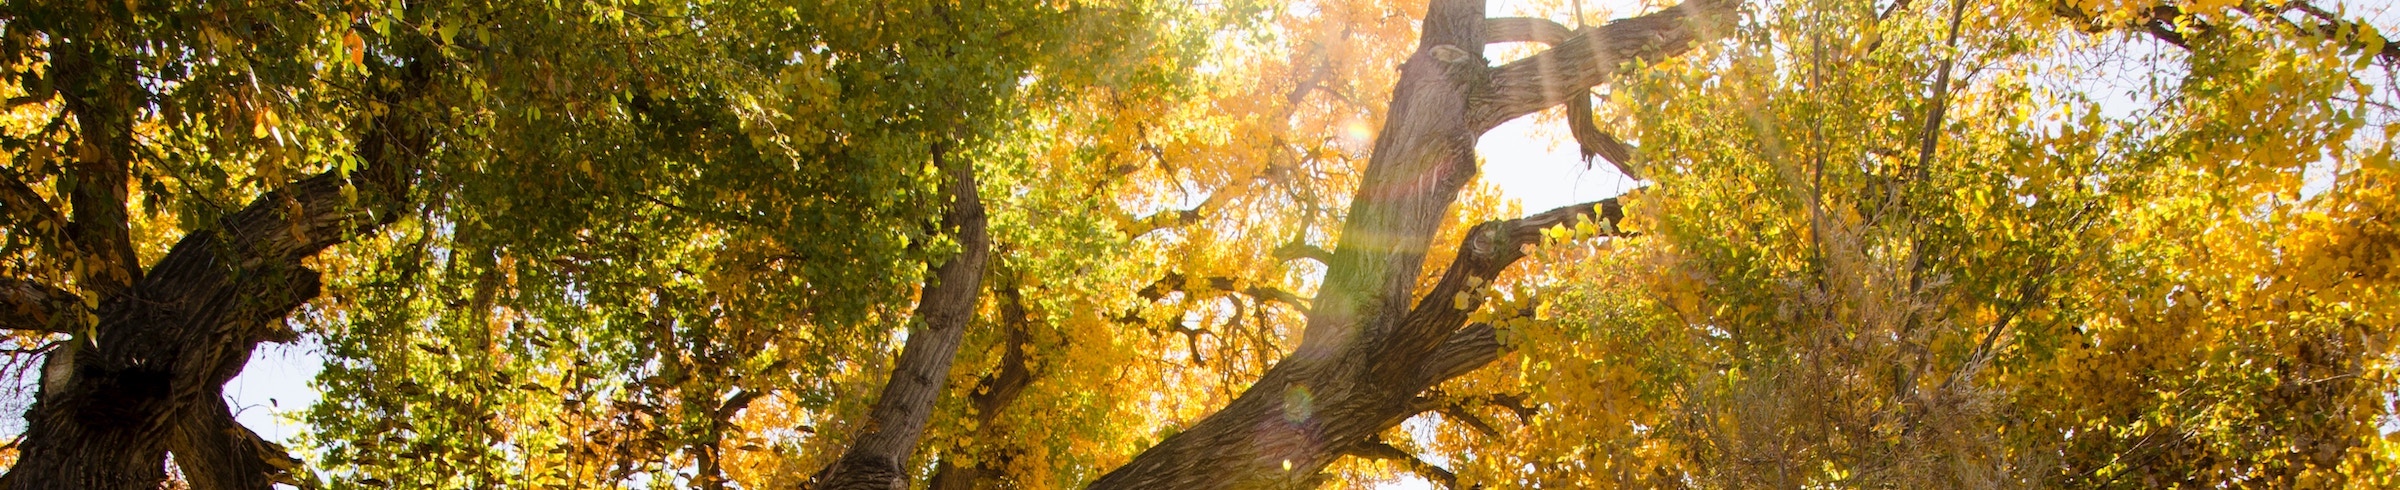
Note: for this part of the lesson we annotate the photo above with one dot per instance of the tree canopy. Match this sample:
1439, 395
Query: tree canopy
960, 244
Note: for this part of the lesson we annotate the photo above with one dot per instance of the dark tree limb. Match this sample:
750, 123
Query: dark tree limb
1588, 136
2334, 27
216, 453
708, 450
1273, 435
1173, 218
1432, 348
1432, 328
1548, 79
1458, 413
1514, 404
1592, 142
878, 458
1379, 450
1178, 218
1175, 282
994, 393
35, 307
98, 89
111, 401
2170, 24
1464, 352
1298, 249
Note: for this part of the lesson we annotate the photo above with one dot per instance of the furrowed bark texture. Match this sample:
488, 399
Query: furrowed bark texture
878, 458
146, 378
1366, 353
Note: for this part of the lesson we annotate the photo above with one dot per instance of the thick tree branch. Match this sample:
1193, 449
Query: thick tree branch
1173, 218
1488, 248
1525, 30
111, 402
1514, 405
1588, 136
877, 459
1272, 435
2157, 21
1931, 136
1424, 155
1591, 141
29, 212
36, 307
1459, 413
2171, 24
1177, 282
1298, 249
734, 405
997, 390
98, 90
1548, 79
2334, 27
216, 453
1464, 352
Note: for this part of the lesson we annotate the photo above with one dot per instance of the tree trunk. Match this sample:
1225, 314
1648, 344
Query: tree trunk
146, 378
878, 458
1366, 354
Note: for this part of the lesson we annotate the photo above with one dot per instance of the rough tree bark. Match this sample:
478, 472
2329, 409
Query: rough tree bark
143, 376
1366, 354
878, 458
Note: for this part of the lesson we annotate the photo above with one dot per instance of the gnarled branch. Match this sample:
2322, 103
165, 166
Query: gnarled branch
98, 89
163, 348
1175, 282
1431, 327
1548, 78
1591, 141
1298, 249
218, 453
1588, 136
36, 307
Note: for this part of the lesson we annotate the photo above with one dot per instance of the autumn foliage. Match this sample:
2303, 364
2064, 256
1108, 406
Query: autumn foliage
1147, 244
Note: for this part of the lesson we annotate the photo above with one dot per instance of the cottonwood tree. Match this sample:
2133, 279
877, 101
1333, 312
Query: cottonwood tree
224, 145
155, 268
1029, 244
1906, 246
702, 265
1370, 347
1318, 405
